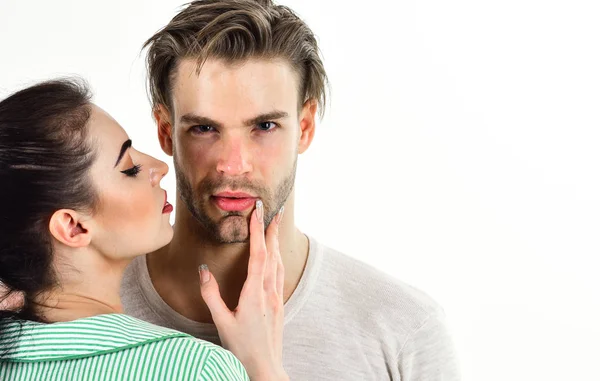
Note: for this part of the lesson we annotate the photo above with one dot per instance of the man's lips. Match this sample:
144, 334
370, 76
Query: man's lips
234, 201
230, 194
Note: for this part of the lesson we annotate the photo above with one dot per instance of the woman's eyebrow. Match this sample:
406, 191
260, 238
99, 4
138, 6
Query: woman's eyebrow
124, 148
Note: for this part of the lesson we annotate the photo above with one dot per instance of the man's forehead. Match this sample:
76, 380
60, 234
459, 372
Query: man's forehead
250, 84
213, 68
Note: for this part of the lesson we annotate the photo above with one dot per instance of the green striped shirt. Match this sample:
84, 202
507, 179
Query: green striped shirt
110, 347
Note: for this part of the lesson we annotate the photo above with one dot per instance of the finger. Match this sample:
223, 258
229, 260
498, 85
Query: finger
272, 241
280, 276
10, 300
209, 289
258, 248
280, 269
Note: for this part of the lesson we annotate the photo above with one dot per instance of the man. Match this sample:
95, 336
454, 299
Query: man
236, 86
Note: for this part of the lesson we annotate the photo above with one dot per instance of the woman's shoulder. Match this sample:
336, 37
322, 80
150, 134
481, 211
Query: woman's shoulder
191, 356
203, 359
123, 342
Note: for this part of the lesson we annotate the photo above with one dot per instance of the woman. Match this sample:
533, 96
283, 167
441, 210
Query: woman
79, 203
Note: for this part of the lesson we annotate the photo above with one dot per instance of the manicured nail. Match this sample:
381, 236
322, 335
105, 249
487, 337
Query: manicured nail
204, 273
260, 212
280, 214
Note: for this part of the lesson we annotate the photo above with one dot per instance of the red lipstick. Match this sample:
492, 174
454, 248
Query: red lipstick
167, 208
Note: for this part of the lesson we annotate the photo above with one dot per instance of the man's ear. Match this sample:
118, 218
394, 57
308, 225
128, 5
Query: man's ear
69, 228
165, 130
307, 124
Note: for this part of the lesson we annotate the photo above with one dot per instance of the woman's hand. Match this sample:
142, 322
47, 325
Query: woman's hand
11, 301
253, 332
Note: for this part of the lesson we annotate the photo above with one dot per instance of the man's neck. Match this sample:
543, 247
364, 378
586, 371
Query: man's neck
174, 274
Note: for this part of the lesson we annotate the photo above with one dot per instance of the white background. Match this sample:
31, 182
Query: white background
460, 152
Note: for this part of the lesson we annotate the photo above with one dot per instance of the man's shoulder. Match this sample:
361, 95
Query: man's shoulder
370, 289
130, 283
136, 298
132, 270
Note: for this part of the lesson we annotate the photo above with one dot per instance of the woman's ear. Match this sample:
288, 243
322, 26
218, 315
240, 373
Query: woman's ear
70, 228
165, 129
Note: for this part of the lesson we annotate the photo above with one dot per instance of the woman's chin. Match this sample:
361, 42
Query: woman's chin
165, 238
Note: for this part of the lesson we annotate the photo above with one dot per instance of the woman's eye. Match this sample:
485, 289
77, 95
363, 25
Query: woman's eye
202, 129
267, 126
133, 171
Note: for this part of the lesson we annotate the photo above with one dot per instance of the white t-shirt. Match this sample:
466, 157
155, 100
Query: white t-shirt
345, 321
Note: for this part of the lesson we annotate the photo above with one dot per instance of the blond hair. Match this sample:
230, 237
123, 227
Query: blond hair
234, 31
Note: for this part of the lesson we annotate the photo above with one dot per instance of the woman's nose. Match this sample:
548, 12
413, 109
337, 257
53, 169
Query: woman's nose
158, 170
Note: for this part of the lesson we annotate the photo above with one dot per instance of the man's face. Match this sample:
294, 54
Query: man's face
236, 133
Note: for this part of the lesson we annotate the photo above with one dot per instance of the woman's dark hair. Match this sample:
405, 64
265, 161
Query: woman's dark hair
45, 157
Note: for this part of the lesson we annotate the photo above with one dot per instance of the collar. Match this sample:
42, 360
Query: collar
34, 342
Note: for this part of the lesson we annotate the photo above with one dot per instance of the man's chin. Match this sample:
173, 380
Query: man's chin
233, 229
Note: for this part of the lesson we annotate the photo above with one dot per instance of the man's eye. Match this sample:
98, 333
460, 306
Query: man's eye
266, 126
202, 129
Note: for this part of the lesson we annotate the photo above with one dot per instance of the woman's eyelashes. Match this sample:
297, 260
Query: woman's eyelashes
133, 171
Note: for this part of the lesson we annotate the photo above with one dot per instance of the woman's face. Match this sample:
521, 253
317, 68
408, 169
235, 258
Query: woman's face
132, 217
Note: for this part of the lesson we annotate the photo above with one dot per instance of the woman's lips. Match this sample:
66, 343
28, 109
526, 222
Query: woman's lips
168, 208
233, 201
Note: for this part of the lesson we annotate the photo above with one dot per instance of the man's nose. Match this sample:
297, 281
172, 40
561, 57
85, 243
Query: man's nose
233, 159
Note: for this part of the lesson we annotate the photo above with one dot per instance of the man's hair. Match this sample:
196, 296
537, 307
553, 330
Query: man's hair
234, 31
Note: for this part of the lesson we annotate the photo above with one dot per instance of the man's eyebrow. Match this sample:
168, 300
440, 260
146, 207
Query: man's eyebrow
124, 148
273, 115
193, 119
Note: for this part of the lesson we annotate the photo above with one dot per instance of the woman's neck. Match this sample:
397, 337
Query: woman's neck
88, 285
65, 305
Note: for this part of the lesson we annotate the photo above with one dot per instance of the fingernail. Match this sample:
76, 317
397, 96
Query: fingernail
280, 214
204, 273
260, 212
